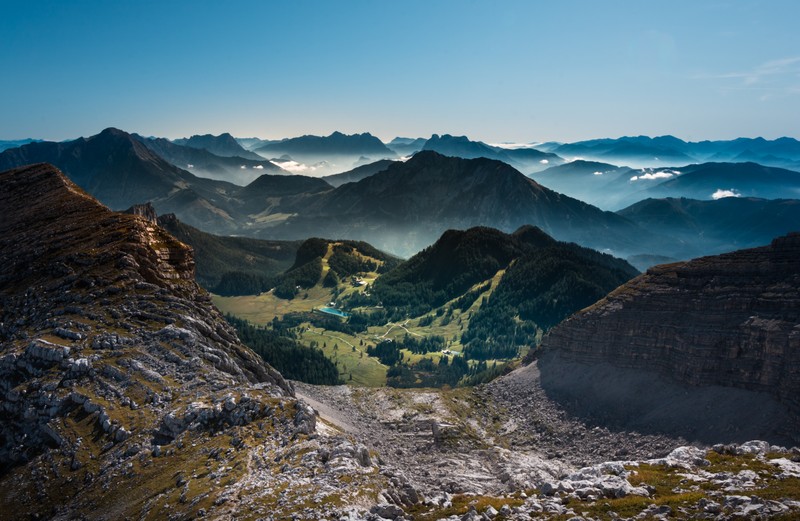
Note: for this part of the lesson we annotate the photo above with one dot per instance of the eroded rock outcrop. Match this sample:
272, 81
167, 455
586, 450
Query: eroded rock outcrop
730, 320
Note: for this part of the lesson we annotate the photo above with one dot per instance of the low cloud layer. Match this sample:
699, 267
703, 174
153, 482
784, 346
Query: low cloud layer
721, 194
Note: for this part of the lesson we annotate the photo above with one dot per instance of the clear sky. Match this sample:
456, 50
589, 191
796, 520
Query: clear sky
494, 70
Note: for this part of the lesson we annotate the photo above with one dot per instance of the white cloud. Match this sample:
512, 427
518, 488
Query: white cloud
598, 173
293, 166
720, 194
544, 161
259, 167
513, 146
650, 176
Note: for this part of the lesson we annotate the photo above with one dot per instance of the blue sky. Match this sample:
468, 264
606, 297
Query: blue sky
496, 71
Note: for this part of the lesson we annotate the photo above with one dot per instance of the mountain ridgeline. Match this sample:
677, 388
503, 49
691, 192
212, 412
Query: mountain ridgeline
204, 163
526, 158
410, 204
645, 151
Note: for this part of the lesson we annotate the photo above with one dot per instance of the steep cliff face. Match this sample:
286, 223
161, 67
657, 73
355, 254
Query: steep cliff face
730, 320
119, 381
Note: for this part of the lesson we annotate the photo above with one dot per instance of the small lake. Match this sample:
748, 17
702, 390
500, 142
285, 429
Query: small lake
332, 311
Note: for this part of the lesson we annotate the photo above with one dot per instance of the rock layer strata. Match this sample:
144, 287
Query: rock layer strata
730, 320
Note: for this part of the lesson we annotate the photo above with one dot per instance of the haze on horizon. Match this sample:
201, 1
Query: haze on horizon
515, 71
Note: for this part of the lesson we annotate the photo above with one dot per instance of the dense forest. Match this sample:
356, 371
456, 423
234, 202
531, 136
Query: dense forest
445, 270
233, 265
539, 290
281, 351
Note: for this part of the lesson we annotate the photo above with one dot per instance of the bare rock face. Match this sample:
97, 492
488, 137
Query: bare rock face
144, 210
730, 320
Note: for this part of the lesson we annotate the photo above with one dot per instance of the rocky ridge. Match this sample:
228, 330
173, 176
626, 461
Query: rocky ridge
125, 393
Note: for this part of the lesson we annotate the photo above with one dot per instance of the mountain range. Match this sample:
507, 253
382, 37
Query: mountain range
330, 154
718, 180
402, 207
121, 171
5, 145
408, 205
644, 151
202, 162
527, 159
612, 187
406, 146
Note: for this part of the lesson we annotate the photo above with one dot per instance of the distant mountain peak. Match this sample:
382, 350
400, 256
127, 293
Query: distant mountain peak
224, 145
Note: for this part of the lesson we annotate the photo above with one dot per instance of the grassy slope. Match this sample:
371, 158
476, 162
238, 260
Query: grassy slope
366, 371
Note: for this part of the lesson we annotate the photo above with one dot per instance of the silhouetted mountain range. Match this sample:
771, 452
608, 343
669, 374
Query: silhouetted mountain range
121, 171
647, 151
719, 226
611, 187
117, 169
5, 145
203, 163
408, 205
311, 148
590, 181
223, 145
715, 180
403, 207
528, 159
406, 146
329, 154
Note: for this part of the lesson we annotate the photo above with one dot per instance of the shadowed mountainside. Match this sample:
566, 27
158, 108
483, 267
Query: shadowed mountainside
728, 321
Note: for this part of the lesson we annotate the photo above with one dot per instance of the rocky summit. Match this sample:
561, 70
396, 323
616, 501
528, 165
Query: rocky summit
123, 391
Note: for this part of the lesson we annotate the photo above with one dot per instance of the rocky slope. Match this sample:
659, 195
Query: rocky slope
729, 320
123, 391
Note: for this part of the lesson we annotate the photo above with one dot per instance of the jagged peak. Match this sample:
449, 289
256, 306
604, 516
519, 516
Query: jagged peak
145, 210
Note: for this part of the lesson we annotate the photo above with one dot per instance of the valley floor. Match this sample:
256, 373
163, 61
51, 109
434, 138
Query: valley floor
472, 439
477, 447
